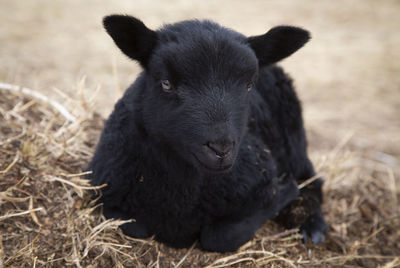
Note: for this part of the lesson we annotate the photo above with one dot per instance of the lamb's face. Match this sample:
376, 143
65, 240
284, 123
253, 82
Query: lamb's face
198, 77
198, 99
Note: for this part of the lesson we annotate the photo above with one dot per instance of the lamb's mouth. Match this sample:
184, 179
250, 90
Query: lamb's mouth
213, 169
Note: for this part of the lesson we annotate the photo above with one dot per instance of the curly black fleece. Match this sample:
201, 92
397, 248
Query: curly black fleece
147, 151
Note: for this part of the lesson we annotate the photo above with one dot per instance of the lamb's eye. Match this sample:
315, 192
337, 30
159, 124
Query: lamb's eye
166, 85
250, 86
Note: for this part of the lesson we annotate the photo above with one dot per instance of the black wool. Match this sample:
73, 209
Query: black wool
208, 143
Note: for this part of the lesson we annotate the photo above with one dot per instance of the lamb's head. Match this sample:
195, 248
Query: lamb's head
198, 78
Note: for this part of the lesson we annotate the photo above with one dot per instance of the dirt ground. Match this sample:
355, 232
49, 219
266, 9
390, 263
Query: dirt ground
347, 78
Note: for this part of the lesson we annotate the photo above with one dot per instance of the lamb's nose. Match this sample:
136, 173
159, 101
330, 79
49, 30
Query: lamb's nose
221, 149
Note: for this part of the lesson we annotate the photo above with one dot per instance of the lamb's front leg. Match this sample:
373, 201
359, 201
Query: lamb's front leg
225, 236
314, 226
229, 235
305, 212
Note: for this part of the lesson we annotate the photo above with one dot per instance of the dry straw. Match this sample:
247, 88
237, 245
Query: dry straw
49, 216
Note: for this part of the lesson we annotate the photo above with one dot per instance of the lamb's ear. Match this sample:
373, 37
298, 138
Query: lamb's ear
131, 36
278, 43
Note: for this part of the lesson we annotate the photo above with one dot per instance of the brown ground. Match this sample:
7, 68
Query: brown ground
347, 77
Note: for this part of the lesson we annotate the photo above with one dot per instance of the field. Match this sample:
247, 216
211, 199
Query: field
347, 78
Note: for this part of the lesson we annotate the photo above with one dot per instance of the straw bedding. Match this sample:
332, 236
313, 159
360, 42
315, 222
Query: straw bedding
49, 217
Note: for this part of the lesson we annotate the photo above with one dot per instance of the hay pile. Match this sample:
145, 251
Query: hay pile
49, 218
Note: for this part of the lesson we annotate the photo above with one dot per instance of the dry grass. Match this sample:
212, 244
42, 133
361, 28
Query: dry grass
49, 218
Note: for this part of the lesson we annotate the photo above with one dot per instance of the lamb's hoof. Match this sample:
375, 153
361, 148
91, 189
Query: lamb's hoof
314, 228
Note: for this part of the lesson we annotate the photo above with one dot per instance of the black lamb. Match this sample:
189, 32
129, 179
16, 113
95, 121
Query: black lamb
208, 143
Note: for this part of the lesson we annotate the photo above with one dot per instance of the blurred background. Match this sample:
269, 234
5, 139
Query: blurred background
348, 76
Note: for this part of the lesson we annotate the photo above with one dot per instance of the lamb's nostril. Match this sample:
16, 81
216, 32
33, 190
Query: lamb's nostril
221, 149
